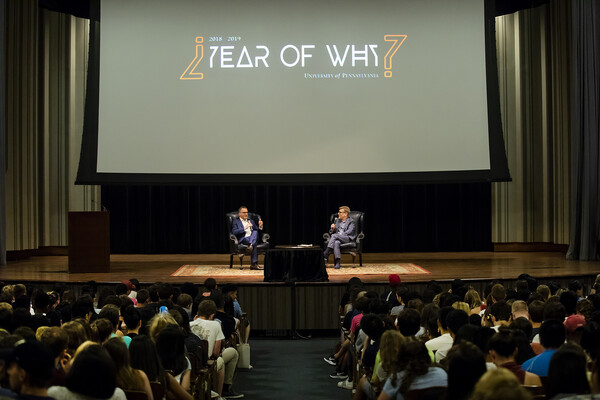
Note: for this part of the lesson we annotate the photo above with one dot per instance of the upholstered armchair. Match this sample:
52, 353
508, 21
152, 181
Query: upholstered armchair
356, 247
237, 249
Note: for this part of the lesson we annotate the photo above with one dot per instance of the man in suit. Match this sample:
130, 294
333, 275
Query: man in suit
246, 231
343, 230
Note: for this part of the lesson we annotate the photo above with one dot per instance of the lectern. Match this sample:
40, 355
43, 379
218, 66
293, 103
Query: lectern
89, 241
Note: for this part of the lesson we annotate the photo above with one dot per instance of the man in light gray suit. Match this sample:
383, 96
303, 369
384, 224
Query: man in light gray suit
343, 230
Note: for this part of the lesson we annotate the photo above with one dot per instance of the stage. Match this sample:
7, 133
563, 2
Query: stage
280, 308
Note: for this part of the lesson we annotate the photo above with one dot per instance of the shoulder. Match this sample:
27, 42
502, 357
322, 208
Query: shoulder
119, 394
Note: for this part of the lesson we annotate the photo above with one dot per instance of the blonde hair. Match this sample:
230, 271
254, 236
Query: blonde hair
499, 384
461, 305
389, 346
160, 322
345, 209
472, 298
544, 291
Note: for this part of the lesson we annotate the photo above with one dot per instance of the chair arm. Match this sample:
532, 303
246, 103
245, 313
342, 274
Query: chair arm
360, 237
233, 238
266, 237
326, 236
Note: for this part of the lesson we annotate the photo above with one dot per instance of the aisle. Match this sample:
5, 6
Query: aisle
290, 370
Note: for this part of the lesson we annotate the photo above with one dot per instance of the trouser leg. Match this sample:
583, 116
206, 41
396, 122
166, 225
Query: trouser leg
230, 356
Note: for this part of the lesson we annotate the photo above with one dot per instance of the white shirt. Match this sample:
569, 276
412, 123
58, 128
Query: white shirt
247, 226
207, 330
439, 342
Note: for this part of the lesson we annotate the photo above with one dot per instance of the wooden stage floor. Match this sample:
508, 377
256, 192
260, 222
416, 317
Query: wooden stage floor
473, 266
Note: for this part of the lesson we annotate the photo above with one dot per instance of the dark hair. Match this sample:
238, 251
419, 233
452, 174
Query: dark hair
455, 319
165, 291
524, 350
190, 289
409, 322
414, 360
429, 318
372, 326
552, 334
171, 349
111, 313
590, 339
144, 356
536, 310
466, 333
210, 284
444, 311
362, 303
503, 343
142, 296
153, 293
93, 373
218, 298
131, 317
120, 288
466, 364
500, 310
55, 339
523, 325
569, 300
127, 378
102, 329
575, 285
228, 288
554, 310
567, 371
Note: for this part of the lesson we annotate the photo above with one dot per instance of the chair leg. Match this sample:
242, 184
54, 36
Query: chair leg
360, 258
241, 256
353, 258
231, 261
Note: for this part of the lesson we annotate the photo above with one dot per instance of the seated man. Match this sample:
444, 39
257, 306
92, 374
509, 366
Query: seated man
342, 231
246, 231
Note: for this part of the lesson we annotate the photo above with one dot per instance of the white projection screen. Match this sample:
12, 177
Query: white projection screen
231, 91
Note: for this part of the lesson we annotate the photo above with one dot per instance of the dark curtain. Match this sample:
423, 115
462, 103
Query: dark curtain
2, 138
402, 218
585, 74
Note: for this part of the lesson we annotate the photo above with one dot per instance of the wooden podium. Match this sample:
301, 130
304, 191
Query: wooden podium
89, 241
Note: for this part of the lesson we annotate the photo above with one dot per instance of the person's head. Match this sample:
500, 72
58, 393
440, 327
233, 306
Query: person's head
30, 365
577, 287
554, 310
55, 339
455, 319
165, 291
389, 348
243, 212
185, 300
409, 322
415, 304
498, 292
552, 334
170, 345
466, 364
117, 350
143, 296
207, 309
502, 346
159, 322
544, 291
121, 288
210, 284
472, 298
218, 298
536, 311
76, 333
343, 212
519, 309
92, 373
372, 325
143, 356
101, 330
500, 311
574, 325
567, 371
111, 313
132, 318
413, 358
394, 280
429, 318
523, 325
442, 318
499, 384
569, 300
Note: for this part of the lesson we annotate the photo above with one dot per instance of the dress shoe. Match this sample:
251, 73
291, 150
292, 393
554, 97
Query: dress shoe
256, 266
337, 264
249, 249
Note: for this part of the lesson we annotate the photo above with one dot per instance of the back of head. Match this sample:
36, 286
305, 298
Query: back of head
498, 292
131, 317
569, 300
503, 343
218, 298
55, 339
143, 356
372, 325
409, 322
544, 291
111, 313
210, 284
414, 360
472, 298
523, 325
499, 384
552, 334
554, 310
159, 322
466, 364
92, 373
536, 311
567, 372
442, 318
117, 349
500, 310
455, 319
170, 346
165, 291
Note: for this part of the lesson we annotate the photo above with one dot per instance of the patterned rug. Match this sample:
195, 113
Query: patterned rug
371, 269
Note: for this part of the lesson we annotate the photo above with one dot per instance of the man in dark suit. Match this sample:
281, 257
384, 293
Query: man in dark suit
246, 231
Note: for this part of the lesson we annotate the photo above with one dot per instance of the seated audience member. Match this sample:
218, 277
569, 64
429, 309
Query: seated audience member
429, 317
519, 309
576, 287
101, 330
567, 373
171, 351
466, 364
415, 372
536, 316
401, 293
473, 300
83, 308
544, 291
454, 321
133, 320
185, 301
500, 313
499, 384
573, 327
369, 387
461, 305
521, 330
569, 299
227, 322
77, 335
144, 357
206, 329
503, 350
445, 339
408, 322
92, 376
388, 295
127, 377
113, 314
552, 336
57, 340
29, 368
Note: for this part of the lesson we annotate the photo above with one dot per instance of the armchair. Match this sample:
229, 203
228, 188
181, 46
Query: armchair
237, 249
353, 248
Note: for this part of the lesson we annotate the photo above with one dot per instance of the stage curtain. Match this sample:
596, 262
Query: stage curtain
533, 71
2, 133
191, 219
585, 73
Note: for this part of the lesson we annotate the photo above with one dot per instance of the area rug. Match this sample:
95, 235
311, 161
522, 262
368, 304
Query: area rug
370, 269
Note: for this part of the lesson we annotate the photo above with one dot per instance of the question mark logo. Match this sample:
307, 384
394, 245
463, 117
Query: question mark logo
189, 72
397, 41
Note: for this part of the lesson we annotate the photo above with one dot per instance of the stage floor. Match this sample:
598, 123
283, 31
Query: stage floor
475, 266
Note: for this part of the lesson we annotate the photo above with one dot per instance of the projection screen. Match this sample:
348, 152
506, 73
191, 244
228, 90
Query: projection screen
292, 91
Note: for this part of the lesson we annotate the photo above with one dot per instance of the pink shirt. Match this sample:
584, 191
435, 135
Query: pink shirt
355, 322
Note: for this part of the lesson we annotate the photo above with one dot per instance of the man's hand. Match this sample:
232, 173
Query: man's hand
332, 227
260, 224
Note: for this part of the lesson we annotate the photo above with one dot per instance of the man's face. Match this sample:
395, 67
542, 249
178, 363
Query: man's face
16, 377
233, 295
243, 213
342, 214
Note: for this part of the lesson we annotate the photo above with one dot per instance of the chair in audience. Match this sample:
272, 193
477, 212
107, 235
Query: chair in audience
237, 249
203, 374
158, 390
135, 395
356, 247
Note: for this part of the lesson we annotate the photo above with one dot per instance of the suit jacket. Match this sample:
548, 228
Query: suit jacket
237, 228
346, 230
